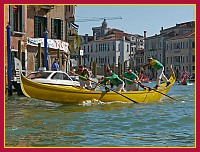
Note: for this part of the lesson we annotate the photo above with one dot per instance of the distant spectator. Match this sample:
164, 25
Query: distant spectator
55, 66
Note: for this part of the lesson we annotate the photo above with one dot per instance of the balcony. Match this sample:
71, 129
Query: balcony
46, 8
177, 51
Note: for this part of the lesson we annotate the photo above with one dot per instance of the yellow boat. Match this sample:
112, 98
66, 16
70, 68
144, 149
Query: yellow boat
74, 94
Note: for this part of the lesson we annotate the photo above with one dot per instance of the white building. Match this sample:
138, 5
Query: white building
114, 47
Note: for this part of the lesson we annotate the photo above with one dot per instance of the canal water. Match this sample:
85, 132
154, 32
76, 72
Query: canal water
164, 123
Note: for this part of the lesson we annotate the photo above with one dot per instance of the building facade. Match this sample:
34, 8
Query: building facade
180, 52
111, 47
173, 46
29, 23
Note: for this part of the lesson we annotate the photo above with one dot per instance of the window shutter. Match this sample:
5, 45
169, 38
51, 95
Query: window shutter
52, 28
11, 19
66, 32
45, 23
23, 22
61, 27
36, 20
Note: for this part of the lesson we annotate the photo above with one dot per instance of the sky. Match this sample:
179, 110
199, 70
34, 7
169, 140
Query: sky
135, 18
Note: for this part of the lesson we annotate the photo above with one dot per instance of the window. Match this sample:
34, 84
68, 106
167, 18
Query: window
193, 44
68, 8
177, 59
91, 48
193, 68
40, 26
96, 48
16, 18
56, 29
193, 58
38, 75
113, 46
84, 49
60, 76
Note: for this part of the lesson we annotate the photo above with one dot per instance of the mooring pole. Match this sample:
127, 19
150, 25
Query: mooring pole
9, 67
46, 50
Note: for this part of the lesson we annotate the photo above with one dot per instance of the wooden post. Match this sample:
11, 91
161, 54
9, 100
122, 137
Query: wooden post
19, 51
94, 69
79, 58
119, 68
125, 64
104, 69
58, 54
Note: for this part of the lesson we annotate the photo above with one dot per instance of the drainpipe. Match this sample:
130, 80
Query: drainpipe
45, 50
9, 68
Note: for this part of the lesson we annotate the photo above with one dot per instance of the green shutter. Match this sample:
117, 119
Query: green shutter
11, 19
36, 20
22, 21
61, 27
45, 23
52, 28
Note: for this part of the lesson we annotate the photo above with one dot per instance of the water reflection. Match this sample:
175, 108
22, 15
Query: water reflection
38, 123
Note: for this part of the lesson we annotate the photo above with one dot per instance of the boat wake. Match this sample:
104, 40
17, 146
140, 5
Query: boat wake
97, 102
91, 102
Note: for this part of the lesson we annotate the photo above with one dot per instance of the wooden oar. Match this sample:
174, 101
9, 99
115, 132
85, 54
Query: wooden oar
143, 86
109, 88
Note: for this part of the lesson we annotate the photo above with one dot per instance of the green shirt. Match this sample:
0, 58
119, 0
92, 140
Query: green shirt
114, 79
83, 76
156, 64
131, 76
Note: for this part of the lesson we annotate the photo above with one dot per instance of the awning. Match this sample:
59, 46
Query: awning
51, 43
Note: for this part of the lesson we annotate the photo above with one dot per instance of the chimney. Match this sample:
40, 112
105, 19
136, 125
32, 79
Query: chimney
86, 38
95, 36
161, 28
145, 34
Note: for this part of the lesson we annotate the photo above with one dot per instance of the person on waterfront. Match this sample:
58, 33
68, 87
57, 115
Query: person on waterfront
113, 78
84, 77
55, 66
130, 80
156, 65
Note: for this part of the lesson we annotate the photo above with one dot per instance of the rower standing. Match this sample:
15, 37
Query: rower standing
156, 65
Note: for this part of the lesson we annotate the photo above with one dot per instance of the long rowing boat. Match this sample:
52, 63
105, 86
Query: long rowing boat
74, 94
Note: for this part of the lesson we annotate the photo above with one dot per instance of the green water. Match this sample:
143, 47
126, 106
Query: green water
165, 123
